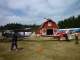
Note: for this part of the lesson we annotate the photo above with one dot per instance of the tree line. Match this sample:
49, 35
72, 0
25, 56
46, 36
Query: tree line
13, 26
71, 22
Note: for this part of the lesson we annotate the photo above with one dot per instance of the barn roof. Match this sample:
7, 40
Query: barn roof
49, 20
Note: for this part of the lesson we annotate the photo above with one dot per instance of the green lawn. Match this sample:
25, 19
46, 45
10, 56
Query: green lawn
41, 50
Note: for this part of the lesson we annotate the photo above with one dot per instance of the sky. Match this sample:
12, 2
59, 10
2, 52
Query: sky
35, 11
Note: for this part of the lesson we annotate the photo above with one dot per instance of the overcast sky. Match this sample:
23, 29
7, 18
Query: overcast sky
34, 11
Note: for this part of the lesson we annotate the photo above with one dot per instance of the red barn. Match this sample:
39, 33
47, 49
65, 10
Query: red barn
48, 28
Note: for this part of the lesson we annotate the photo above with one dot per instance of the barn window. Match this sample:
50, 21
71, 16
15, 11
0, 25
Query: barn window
49, 24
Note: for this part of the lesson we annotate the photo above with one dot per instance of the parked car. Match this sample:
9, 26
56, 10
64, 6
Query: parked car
61, 32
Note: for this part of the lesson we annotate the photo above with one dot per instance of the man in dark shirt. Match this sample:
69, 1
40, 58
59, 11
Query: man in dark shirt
14, 41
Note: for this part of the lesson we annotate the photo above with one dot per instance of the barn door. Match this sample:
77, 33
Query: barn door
49, 31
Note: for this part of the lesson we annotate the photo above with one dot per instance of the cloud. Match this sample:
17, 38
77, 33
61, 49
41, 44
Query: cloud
34, 11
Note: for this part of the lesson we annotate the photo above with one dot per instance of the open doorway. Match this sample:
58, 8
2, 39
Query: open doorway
49, 31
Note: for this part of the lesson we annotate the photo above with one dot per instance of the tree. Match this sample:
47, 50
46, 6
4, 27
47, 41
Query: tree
71, 22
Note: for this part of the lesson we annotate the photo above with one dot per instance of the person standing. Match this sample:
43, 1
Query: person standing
76, 38
14, 41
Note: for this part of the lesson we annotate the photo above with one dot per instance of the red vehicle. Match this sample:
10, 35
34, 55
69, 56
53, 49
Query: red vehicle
61, 33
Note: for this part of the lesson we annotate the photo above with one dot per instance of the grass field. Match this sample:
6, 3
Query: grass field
41, 50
